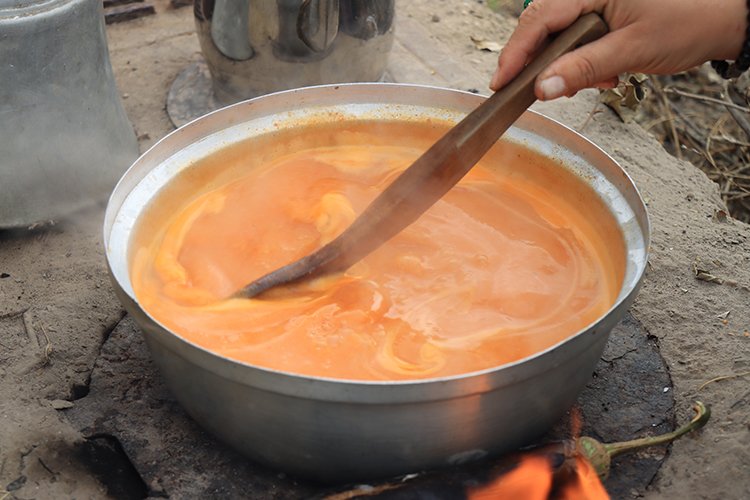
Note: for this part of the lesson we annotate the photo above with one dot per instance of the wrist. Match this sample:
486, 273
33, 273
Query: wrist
742, 59
731, 28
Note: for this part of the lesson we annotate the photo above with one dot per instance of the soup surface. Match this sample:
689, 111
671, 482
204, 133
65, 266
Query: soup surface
518, 256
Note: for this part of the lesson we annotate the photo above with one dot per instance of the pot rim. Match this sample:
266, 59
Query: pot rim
21, 10
464, 383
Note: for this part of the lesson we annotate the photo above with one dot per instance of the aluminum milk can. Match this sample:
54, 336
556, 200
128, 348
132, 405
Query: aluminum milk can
64, 137
254, 47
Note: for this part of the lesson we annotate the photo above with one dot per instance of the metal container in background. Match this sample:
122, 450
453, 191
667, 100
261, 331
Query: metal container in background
64, 136
343, 430
258, 47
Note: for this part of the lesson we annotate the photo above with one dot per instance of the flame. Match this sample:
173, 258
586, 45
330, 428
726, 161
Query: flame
576, 422
535, 479
587, 484
531, 480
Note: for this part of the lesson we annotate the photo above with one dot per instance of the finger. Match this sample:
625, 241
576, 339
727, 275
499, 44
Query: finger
608, 84
598, 61
536, 24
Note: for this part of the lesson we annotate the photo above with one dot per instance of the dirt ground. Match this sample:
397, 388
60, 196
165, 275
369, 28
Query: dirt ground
57, 308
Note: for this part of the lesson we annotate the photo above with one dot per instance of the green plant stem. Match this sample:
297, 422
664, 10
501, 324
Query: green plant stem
702, 414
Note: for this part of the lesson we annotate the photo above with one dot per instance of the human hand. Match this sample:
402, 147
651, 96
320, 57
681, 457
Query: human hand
646, 36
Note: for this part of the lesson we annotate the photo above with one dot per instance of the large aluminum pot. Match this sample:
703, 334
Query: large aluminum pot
64, 137
336, 430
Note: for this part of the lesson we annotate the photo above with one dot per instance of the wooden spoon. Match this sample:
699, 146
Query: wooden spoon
435, 172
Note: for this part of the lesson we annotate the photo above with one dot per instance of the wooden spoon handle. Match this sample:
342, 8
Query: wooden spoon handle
435, 172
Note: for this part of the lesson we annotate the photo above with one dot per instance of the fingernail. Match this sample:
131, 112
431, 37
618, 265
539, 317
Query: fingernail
552, 87
495, 81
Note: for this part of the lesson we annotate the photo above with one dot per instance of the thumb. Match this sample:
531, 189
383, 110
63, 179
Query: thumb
587, 66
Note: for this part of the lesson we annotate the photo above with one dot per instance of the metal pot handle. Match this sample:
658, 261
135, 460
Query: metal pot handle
230, 29
317, 23
365, 19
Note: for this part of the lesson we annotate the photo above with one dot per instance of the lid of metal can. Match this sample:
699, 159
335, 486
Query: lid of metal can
26, 7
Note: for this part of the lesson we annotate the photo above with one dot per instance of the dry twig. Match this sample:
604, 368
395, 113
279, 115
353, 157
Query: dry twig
47, 347
28, 325
683, 113
732, 97
670, 120
725, 377
704, 98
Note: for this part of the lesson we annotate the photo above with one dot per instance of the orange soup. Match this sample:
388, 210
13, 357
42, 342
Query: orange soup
520, 255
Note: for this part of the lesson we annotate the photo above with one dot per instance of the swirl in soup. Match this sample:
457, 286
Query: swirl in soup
519, 256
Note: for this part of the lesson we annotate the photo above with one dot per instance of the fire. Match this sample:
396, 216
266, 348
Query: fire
568, 469
587, 484
576, 422
561, 473
535, 478
532, 480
